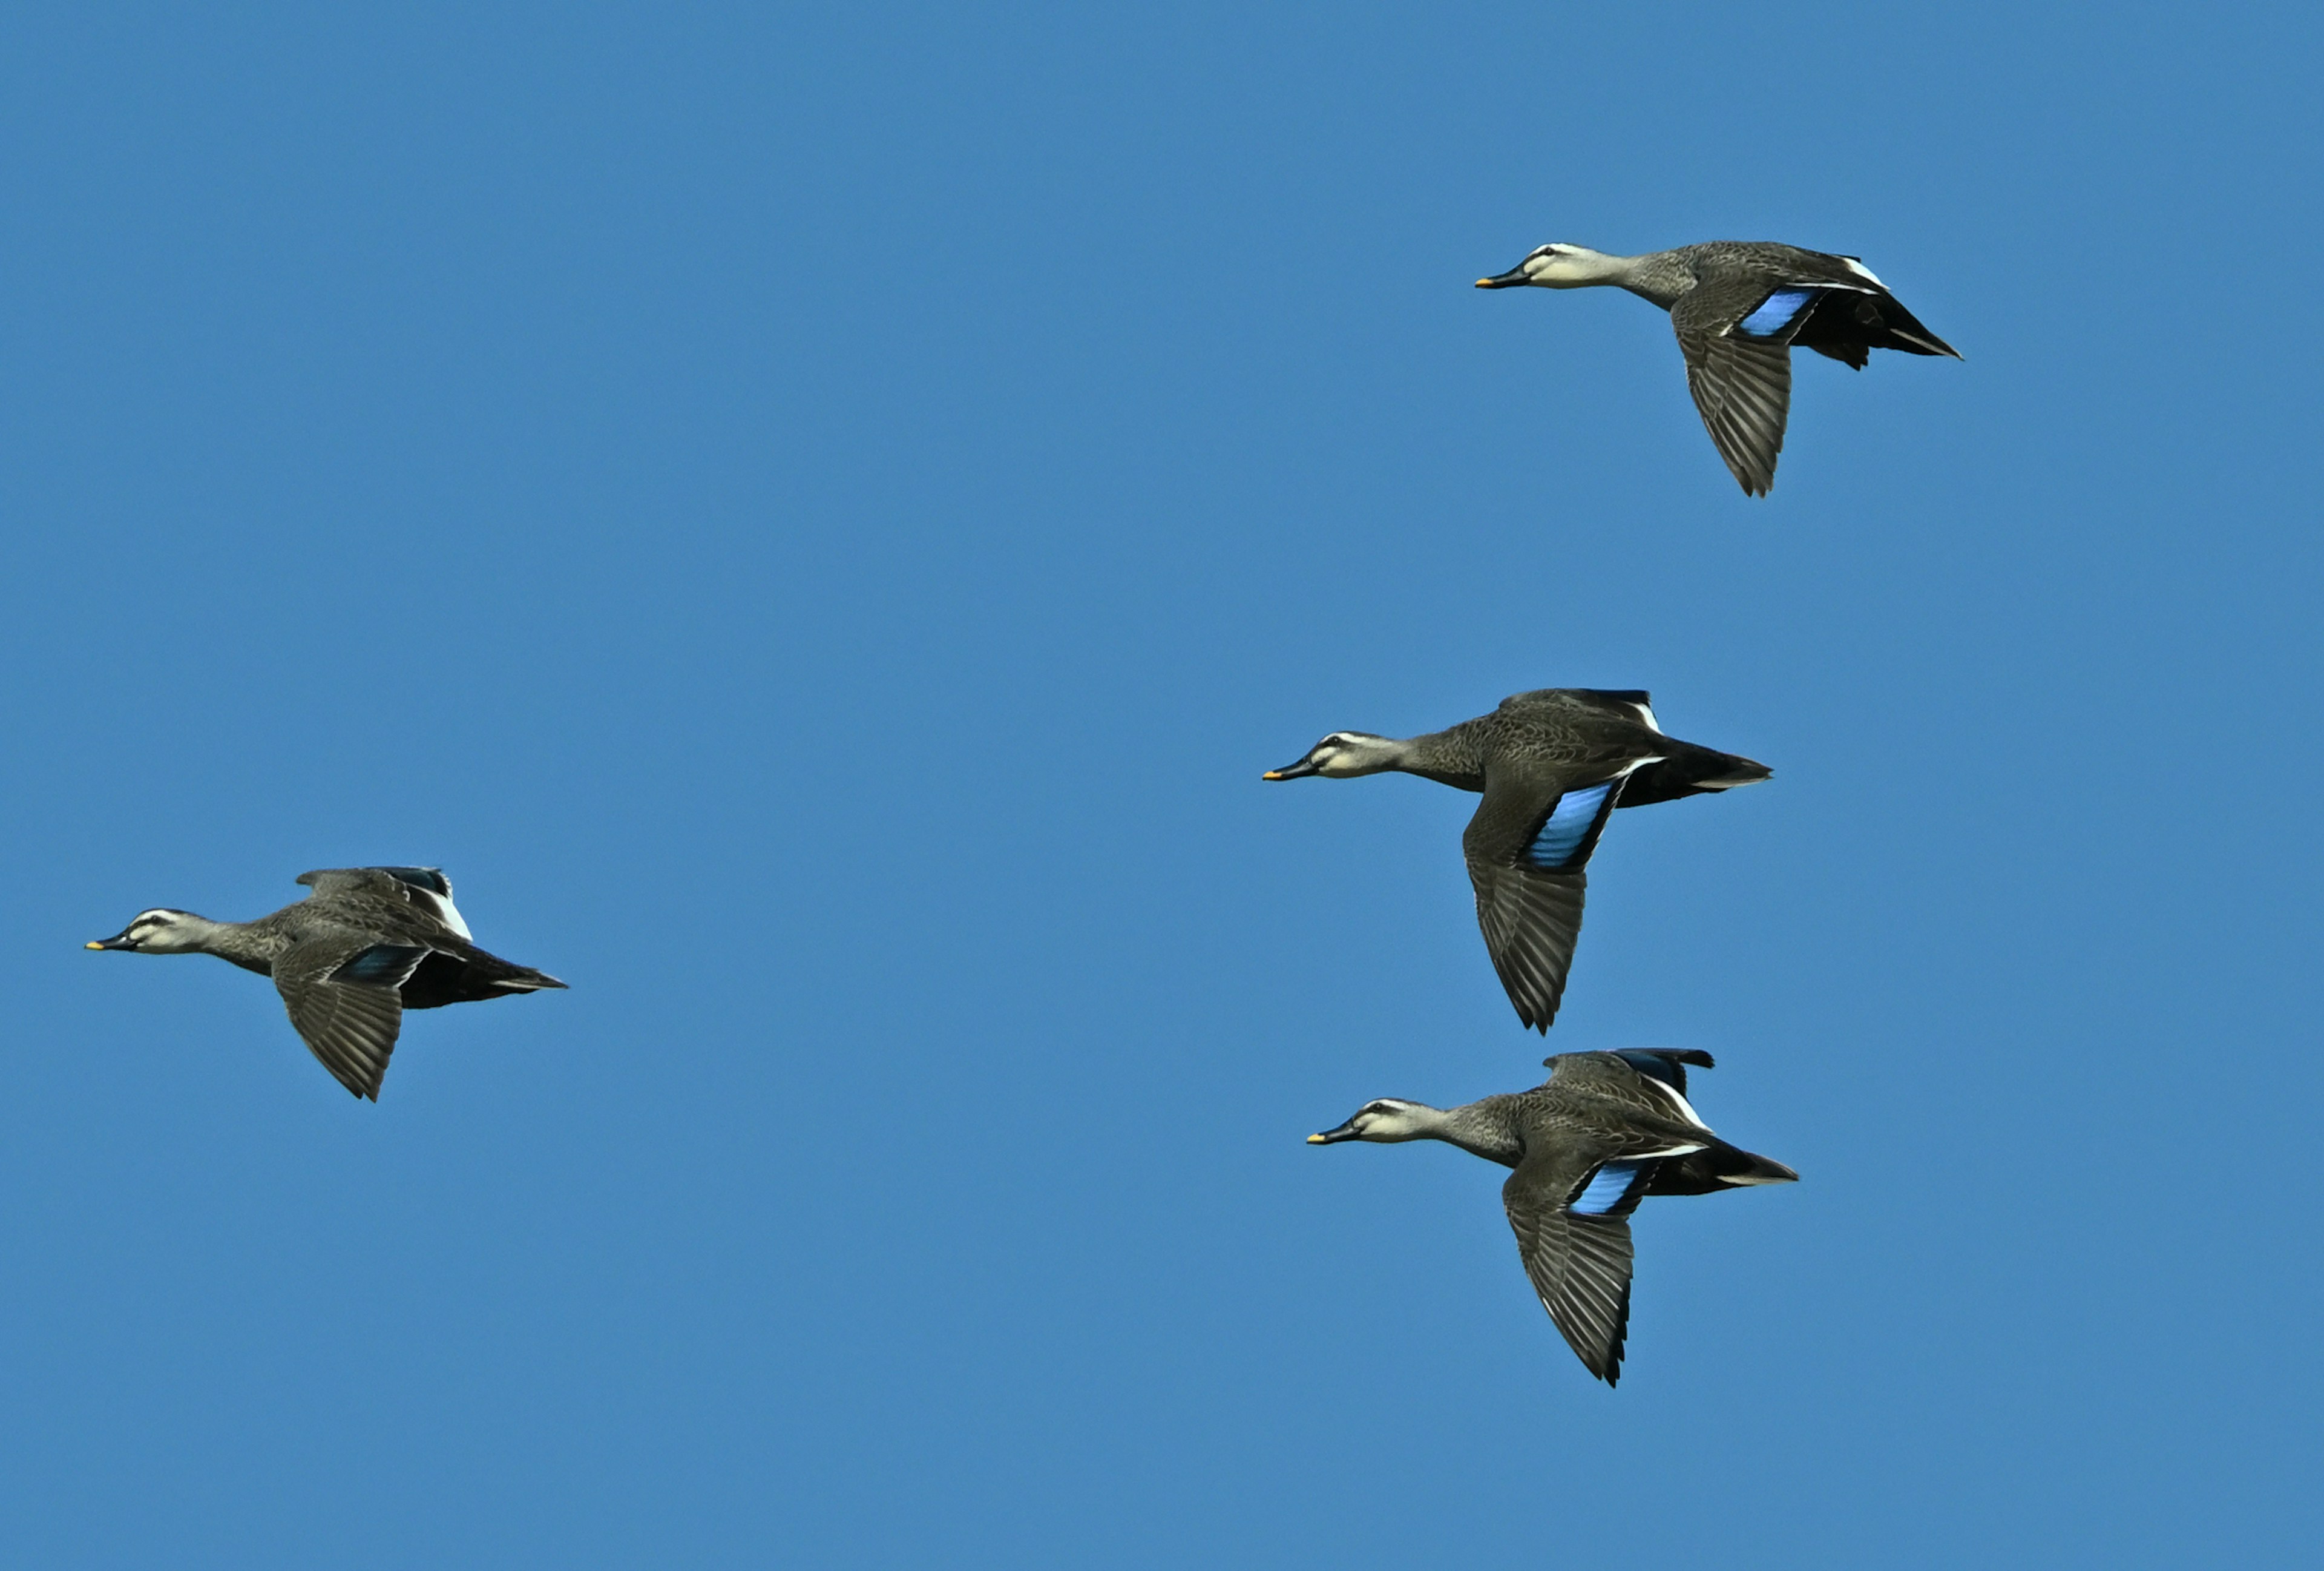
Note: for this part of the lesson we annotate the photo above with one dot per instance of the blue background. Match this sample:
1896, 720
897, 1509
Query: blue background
817, 521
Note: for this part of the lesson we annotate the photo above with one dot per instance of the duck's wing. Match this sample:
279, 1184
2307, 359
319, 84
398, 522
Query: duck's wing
342, 996
1578, 1259
1667, 1065
428, 889
1531, 922
1634, 1107
333, 882
1569, 1199
1527, 847
424, 890
1739, 372
1624, 706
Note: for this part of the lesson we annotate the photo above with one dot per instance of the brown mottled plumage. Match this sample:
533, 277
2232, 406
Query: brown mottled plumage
1603, 1132
1738, 307
1551, 766
369, 943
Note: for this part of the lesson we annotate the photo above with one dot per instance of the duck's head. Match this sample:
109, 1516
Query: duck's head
160, 931
1386, 1119
1556, 265
1340, 755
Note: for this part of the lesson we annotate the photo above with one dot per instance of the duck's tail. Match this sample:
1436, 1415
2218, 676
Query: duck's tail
1848, 326
1689, 771
1901, 329
525, 979
470, 978
1717, 1166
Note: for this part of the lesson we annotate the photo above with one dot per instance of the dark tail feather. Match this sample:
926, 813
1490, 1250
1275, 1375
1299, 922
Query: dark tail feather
1689, 771
470, 978
1847, 325
1717, 1166
525, 979
1903, 331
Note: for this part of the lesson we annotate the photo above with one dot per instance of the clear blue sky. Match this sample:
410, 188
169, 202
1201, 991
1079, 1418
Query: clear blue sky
817, 520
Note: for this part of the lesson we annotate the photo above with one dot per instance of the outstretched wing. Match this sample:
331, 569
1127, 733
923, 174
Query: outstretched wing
341, 998
424, 890
1738, 366
1579, 1265
1667, 1065
1531, 922
1635, 1111
431, 892
1527, 847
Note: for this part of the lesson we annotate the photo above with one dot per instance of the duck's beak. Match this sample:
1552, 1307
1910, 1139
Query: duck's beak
1290, 772
1514, 276
118, 941
1334, 1136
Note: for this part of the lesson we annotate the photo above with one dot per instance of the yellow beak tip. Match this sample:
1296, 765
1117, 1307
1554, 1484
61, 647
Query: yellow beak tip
1484, 283
92, 944
1316, 1139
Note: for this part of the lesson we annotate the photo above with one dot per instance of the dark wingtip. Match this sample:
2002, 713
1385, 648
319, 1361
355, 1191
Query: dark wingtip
1612, 1374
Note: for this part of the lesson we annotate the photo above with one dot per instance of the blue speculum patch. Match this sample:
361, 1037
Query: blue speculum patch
1609, 1188
1568, 826
1778, 311
380, 964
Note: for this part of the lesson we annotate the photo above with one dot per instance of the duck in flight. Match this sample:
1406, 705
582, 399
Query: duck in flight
1603, 1132
1553, 765
1738, 305
368, 944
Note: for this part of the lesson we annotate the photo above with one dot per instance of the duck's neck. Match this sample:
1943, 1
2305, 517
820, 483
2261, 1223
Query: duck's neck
1456, 757
1660, 276
1483, 1129
252, 945
1578, 268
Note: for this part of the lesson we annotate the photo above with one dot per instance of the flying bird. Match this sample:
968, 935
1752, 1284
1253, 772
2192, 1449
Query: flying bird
368, 944
1553, 765
1738, 305
1603, 1132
